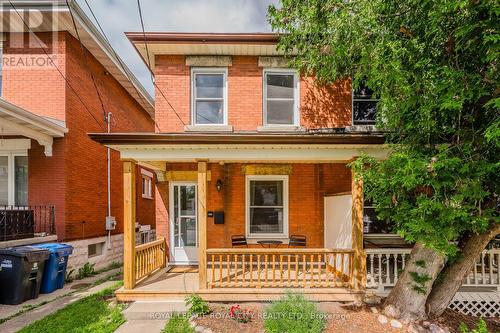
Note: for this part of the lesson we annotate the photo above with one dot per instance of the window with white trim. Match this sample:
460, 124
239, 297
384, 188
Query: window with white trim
13, 179
267, 206
147, 184
281, 97
364, 105
209, 96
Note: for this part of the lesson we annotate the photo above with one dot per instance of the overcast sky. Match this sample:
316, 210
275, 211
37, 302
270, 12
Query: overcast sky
119, 16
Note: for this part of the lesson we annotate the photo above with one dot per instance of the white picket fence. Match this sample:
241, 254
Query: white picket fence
383, 267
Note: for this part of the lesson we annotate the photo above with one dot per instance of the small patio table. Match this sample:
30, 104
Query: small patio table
269, 243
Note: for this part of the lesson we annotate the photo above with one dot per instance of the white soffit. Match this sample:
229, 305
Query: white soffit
250, 153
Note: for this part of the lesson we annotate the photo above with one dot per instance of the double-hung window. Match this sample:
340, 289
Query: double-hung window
364, 106
281, 98
267, 206
209, 96
13, 179
147, 184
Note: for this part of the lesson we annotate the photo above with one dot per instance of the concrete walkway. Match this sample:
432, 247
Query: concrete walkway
149, 316
50, 303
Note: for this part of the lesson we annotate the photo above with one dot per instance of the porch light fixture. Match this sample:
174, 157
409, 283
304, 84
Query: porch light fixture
218, 185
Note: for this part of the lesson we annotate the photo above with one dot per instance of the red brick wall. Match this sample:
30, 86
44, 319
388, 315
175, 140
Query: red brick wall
74, 178
308, 184
321, 106
27, 79
86, 165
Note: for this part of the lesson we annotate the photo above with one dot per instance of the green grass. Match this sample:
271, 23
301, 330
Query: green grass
178, 324
89, 314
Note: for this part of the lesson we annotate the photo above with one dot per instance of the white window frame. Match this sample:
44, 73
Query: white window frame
147, 177
208, 70
296, 95
284, 179
11, 177
354, 100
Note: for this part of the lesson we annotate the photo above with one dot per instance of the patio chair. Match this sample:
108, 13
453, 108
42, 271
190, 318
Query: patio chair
297, 240
238, 240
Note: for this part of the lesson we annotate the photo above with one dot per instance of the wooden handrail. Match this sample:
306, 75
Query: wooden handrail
149, 258
276, 250
144, 246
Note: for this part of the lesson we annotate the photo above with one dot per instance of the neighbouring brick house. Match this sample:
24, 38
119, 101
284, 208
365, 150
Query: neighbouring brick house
248, 151
51, 173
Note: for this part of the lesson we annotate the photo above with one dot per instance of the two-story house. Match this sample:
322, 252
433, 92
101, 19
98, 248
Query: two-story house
59, 81
254, 192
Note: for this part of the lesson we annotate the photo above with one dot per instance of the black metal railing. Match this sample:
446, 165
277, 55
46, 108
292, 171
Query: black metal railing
18, 222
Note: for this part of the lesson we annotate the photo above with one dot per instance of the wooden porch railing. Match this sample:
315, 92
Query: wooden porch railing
279, 268
149, 258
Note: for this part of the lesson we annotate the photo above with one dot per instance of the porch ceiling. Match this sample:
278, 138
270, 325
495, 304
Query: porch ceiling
300, 148
17, 121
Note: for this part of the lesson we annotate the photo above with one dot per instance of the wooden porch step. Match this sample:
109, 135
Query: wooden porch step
242, 294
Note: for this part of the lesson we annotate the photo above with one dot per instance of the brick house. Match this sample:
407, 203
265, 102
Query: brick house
248, 152
53, 177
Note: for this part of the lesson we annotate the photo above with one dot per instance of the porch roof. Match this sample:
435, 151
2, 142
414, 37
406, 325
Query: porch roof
243, 147
15, 121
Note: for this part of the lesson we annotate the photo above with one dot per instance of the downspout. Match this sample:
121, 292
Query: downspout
108, 120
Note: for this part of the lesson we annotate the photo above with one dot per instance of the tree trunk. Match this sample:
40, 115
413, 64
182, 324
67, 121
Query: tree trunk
407, 299
453, 275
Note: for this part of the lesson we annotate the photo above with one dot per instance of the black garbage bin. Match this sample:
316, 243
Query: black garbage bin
21, 270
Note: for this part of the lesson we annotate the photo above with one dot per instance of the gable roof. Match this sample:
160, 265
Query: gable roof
56, 16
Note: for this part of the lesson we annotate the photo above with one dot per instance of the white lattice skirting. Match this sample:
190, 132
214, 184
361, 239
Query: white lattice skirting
478, 304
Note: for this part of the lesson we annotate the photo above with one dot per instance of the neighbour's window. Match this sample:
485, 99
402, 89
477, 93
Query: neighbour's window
209, 96
13, 179
267, 205
371, 223
147, 187
21, 180
281, 98
364, 106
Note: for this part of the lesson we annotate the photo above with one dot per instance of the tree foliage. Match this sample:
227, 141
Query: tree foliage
434, 66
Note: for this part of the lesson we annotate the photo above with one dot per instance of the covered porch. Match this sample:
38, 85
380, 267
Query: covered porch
232, 177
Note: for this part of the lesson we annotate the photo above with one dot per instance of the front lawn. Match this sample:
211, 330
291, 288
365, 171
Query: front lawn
89, 314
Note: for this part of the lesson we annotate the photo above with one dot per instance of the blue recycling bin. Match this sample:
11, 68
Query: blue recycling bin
55, 266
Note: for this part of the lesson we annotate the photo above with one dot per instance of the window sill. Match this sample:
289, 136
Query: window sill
362, 128
208, 128
147, 197
280, 128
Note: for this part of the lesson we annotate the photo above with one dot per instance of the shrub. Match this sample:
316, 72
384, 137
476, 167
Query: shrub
240, 315
85, 271
480, 328
293, 314
68, 276
178, 324
197, 306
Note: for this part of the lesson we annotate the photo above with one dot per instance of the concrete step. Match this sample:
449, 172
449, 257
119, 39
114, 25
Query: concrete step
153, 310
148, 326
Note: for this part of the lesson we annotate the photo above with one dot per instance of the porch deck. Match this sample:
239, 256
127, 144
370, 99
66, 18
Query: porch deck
165, 285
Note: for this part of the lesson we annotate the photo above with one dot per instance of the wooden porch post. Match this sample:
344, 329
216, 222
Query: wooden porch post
357, 234
128, 224
202, 223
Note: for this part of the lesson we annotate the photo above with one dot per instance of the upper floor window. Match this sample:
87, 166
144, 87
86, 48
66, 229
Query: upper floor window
209, 96
364, 106
281, 97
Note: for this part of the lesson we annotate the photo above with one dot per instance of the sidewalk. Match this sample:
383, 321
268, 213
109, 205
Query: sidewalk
149, 316
46, 304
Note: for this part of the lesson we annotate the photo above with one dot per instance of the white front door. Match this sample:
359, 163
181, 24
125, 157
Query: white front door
338, 222
183, 223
